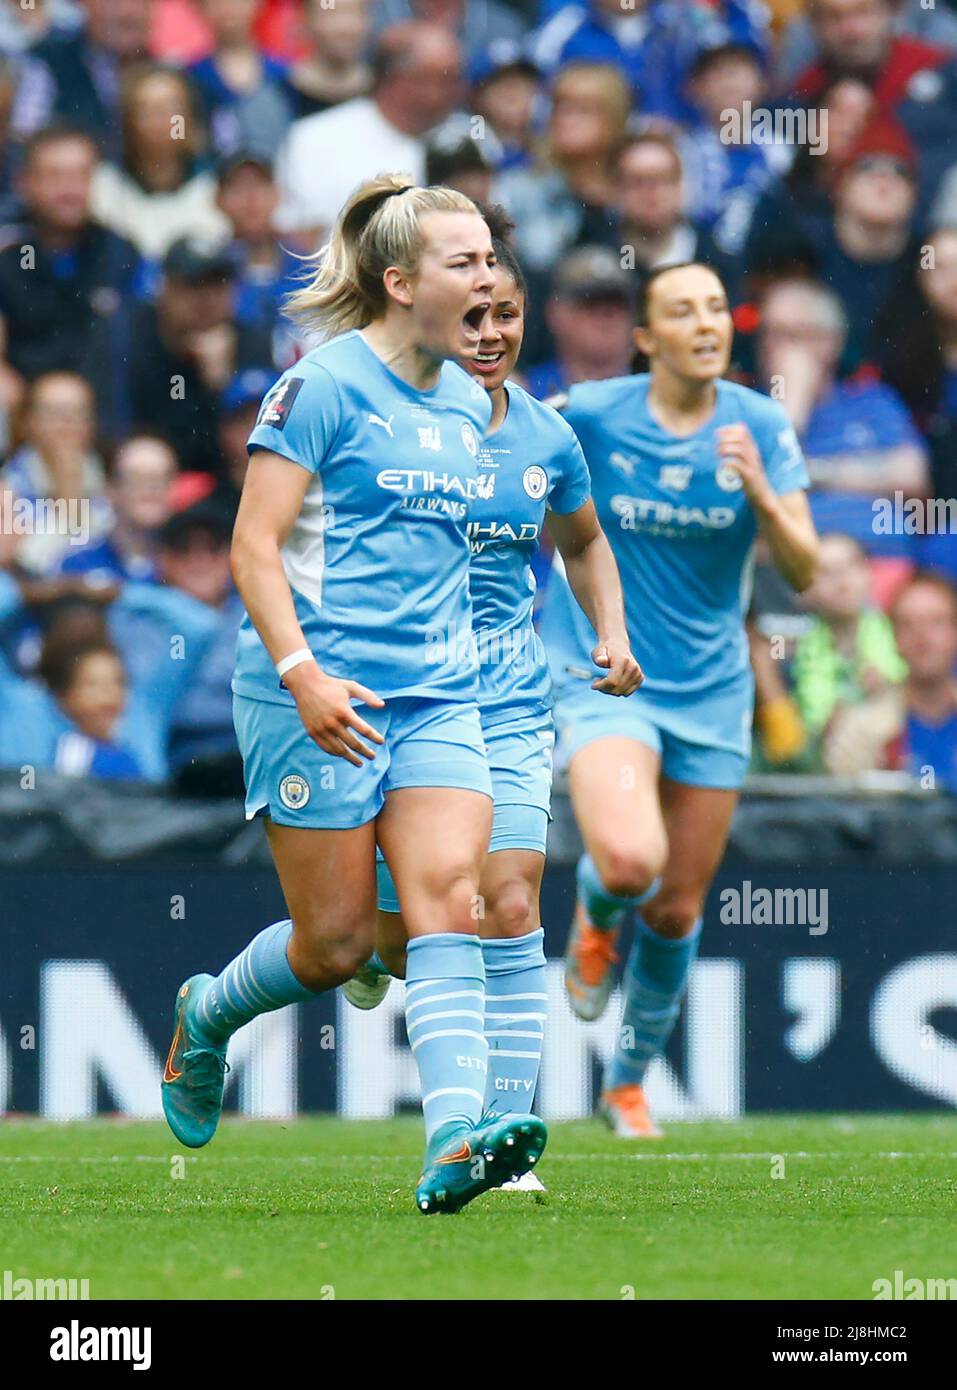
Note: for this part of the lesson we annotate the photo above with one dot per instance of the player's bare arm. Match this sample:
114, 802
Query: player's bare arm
784, 520
272, 499
593, 577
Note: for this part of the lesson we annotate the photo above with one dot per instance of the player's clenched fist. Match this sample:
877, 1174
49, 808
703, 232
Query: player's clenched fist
624, 673
738, 451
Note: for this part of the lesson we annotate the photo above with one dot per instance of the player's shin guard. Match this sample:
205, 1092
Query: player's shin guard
654, 981
259, 981
445, 1017
515, 1009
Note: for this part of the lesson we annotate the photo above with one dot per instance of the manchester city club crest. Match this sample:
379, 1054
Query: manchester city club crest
469, 439
535, 481
294, 792
728, 479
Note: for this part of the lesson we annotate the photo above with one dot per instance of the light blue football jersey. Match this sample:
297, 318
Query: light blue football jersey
378, 557
531, 462
682, 533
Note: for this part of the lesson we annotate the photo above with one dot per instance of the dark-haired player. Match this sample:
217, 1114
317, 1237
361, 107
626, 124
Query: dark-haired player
533, 475
687, 470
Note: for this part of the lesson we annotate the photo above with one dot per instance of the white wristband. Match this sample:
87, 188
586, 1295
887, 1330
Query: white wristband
293, 659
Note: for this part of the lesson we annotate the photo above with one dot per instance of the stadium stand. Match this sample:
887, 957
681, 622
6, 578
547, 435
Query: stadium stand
165, 162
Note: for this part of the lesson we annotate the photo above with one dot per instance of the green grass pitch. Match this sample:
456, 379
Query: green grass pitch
323, 1208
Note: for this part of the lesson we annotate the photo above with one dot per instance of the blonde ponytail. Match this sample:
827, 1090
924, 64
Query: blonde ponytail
378, 227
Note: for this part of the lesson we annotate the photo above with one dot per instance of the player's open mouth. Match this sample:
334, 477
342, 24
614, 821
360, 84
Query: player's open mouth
472, 321
487, 363
708, 349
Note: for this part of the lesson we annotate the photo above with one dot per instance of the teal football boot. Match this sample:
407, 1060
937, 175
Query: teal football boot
195, 1074
463, 1164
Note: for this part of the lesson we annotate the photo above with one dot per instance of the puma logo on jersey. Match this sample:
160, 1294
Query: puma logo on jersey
383, 424
625, 463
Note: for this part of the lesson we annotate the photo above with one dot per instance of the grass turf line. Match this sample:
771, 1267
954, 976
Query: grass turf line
321, 1207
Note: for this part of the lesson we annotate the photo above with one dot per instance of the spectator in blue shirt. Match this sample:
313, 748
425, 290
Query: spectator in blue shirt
472, 22
163, 632
265, 270
569, 197
590, 316
724, 175
242, 90
76, 76
67, 721
139, 480
194, 561
507, 93
857, 435
88, 682
654, 42
55, 472
163, 636
68, 307
24, 26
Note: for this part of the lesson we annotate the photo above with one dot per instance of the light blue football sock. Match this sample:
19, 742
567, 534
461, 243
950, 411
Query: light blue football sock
258, 981
516, 1004
655, 979
445, 1018
605, 909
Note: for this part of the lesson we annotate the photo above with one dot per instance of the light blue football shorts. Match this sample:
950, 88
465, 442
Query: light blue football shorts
520, 762
583, 716
428, 743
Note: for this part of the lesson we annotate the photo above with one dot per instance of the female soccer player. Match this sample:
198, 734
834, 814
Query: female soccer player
687, 470
530, 461
351, 554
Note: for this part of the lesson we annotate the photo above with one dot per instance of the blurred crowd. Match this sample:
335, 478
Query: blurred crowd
166, 164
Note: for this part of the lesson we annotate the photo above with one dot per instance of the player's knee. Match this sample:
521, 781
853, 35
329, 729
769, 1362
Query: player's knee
330, 950
340, 958
512, 910
457, 900
628, 871
672, 912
